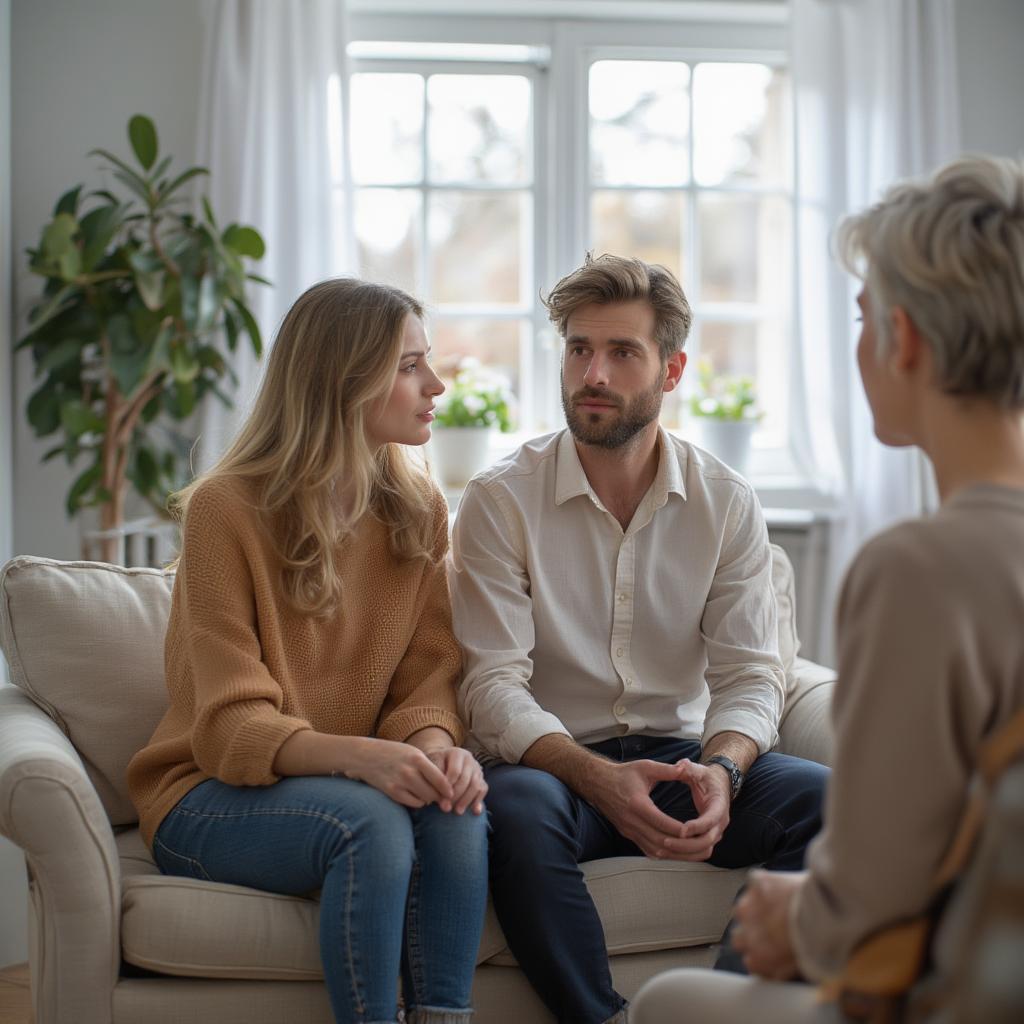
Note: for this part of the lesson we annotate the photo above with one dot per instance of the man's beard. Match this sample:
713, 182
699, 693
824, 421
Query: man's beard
608, 430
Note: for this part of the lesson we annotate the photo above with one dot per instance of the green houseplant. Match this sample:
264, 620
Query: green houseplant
475, 402
140, 294
726, 412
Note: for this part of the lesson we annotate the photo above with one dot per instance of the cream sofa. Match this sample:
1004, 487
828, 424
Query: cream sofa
112, 941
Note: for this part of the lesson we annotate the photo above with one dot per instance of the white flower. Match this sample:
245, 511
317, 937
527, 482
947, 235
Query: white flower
474, 404
708, 406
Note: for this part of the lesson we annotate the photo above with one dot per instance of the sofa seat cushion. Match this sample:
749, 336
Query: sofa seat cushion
182, 926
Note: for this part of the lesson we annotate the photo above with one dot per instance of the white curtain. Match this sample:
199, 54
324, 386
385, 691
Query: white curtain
271, 132
876, 101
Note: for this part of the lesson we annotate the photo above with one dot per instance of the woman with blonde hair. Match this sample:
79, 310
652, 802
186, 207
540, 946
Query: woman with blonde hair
311, 740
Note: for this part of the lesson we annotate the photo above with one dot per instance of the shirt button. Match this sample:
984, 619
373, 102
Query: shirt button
618, 652
629, 682
620, 710
622, 597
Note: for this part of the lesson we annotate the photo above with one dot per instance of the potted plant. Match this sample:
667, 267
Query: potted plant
475, 403
726, 414
127, 336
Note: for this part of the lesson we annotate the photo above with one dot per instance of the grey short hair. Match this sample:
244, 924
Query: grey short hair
949, 250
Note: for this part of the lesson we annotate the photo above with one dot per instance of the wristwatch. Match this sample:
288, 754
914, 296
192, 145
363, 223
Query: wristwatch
735, 775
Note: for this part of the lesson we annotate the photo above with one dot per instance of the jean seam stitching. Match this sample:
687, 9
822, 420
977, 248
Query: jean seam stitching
157, 841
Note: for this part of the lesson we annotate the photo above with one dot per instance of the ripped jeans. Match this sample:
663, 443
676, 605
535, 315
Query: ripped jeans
402, 890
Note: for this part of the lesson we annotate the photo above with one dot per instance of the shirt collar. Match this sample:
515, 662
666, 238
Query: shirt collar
571, 481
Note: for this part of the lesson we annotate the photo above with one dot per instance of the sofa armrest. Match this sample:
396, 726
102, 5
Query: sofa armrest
806, 726
49, 808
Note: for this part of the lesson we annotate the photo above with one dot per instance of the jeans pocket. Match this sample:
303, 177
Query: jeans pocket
170, 862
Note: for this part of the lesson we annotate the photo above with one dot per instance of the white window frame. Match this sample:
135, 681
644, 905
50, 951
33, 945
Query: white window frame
575, 33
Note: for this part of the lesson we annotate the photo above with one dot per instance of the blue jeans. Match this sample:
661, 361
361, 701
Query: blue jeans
541, 830
402, 891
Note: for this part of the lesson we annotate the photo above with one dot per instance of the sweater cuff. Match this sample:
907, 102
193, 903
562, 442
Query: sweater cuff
400, 725
249, 761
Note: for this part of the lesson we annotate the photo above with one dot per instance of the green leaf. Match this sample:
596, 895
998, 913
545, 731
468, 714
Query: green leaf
231, 329
70, 264
68, 203
245, 241
184, 365
180, 180
251, 327
136, 184
97, 228
258, 279
160, 350
208, 210
77, 419
142, 134
181, 400
64, 352
161, 167
128, 358
120, 165
58, 237
147, 473
44, 410
42, 314
85, 482
189, 302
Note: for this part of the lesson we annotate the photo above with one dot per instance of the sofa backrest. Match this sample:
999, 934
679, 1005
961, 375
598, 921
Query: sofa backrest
85, 640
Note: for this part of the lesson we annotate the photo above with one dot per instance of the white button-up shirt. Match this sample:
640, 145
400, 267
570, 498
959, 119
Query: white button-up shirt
571, 625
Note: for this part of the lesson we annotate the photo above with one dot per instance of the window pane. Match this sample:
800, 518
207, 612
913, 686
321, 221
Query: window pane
478, 246
387, 227
639, 113
645, 224
479, 128
495, 343
741, 124
745, 249
387, 128
751, 349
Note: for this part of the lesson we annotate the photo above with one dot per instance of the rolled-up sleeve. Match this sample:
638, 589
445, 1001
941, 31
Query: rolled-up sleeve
493, 617
744, 674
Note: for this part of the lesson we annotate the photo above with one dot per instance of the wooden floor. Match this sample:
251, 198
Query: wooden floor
14, 997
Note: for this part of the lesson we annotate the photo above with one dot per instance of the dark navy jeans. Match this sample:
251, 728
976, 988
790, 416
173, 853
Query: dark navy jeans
541, 831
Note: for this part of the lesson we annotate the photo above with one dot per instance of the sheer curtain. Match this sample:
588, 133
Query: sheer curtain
271, 132
876, 100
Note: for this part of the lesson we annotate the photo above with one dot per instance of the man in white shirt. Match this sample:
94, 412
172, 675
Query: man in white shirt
611, 588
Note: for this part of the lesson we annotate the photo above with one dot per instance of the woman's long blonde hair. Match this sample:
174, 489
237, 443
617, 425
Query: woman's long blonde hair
336, 353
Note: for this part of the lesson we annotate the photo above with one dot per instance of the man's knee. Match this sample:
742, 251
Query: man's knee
527, 807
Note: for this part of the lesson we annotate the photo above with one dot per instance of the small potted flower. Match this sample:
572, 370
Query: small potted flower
475, 403
726, 414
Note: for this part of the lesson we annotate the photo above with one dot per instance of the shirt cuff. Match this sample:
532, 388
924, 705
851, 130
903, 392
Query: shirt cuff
520, 734
754, 727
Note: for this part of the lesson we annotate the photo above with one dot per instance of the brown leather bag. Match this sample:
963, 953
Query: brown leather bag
874, 983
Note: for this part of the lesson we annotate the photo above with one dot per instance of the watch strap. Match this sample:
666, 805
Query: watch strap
735, 775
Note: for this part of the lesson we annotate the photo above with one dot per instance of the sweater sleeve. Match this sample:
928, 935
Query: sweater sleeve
422, 690
902, 763
238, 725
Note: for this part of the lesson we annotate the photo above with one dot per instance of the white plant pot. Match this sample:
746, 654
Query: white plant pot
727, 439
458, 453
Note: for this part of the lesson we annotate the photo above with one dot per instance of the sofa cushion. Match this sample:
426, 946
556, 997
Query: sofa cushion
85, 641
183, 926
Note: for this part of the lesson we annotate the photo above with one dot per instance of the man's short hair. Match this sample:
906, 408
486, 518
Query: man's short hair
949, 251
605, 279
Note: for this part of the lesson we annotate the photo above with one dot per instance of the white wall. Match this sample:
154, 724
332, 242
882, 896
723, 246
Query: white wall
990, 55
13, 891
79, 70
71, 74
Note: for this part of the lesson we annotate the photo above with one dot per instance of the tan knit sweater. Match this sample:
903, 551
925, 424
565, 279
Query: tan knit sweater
244, 671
